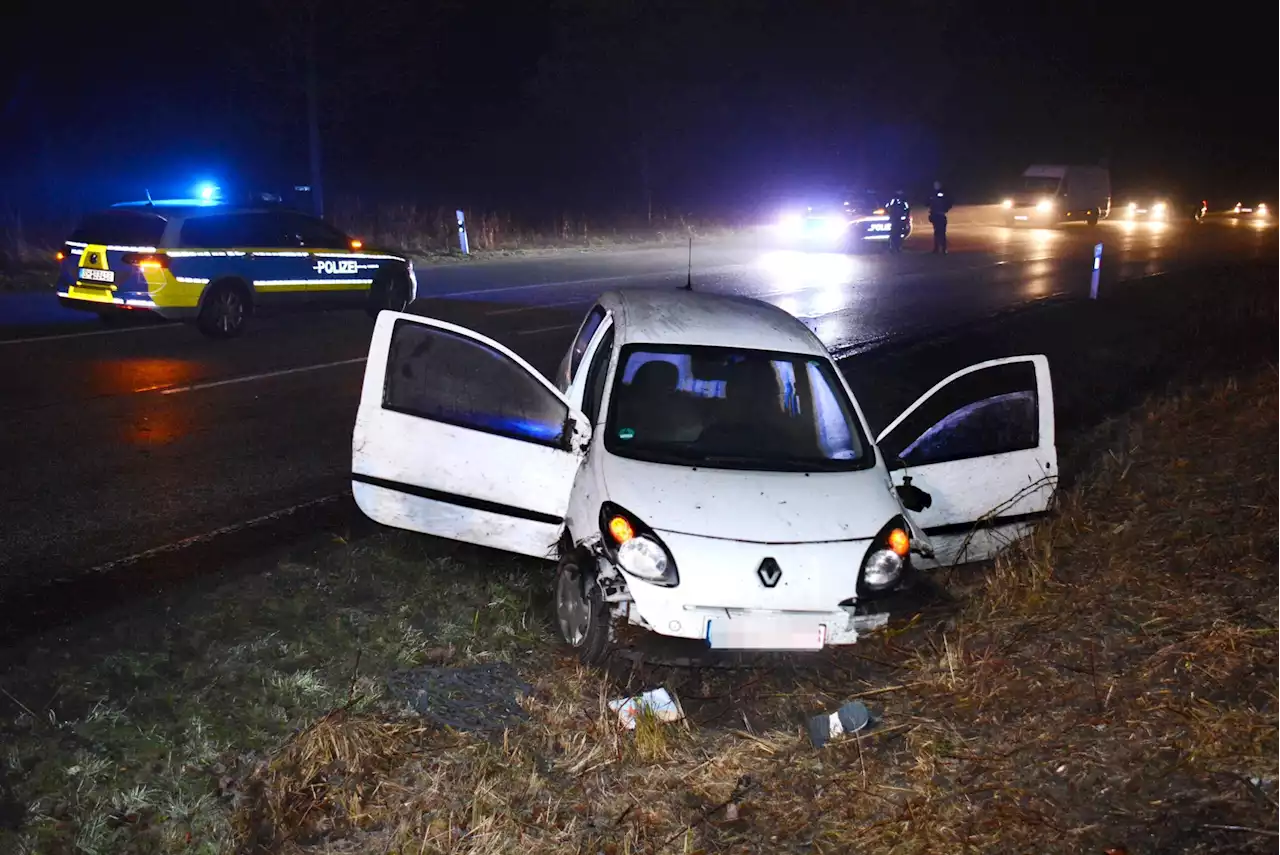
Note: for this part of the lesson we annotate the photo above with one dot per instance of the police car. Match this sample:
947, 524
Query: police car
841, 226
214, 264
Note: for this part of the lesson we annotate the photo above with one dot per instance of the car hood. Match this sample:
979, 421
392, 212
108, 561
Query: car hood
757, 507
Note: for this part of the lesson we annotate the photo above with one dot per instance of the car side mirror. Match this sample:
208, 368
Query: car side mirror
579, 431
912, 497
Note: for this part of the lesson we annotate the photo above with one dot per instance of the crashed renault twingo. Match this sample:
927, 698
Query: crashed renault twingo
699, 467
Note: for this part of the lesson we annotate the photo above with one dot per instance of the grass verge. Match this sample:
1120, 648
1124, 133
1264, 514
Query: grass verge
1109, 684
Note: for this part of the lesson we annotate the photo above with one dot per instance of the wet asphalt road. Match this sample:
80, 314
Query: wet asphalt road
124, 442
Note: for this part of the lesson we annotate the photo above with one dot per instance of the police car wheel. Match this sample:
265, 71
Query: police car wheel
225, 311
393, 292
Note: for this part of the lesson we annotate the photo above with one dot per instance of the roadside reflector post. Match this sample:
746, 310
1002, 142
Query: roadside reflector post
1097, 268
462, 234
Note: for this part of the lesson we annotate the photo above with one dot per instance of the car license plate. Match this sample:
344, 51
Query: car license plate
765, 634
90, 274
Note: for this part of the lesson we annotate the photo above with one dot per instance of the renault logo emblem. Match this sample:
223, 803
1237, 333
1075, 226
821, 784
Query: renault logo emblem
769, 572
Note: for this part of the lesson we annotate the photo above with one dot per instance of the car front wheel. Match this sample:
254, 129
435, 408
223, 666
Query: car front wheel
225, 311
582, 616
393, 292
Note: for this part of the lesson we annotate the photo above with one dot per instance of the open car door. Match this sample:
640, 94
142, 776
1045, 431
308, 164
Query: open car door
459, 437
981, 445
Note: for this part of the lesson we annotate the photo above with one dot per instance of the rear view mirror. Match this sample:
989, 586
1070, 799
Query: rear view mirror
912, 497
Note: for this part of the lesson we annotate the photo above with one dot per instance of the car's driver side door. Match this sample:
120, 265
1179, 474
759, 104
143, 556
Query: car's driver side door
981, 445
459, 437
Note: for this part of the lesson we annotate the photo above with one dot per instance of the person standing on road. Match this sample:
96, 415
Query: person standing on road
898, 211
939, 205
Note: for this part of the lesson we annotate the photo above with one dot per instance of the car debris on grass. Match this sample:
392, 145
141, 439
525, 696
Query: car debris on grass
1110, 684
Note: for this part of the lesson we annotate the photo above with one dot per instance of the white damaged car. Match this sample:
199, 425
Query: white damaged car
699, 467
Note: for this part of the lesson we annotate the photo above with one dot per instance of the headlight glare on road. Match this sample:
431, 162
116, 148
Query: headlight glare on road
1044, 206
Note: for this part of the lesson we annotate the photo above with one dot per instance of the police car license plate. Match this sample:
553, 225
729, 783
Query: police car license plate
89, 274
758, 633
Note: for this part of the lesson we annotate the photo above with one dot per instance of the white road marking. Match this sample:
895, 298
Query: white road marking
210, 535
548, 329
527, 307
63, 337
263, 376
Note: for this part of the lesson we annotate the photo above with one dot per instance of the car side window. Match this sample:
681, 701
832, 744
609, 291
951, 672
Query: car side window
451, 378
589, 327
595, 378
992, 411
310, 232
225, 230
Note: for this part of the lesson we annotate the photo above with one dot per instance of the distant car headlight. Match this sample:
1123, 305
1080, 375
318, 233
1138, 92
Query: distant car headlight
791, 224
1007, 204
1044, 206
834, 226
1261, 209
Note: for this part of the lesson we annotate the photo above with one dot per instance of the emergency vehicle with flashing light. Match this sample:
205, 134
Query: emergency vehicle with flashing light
215, 264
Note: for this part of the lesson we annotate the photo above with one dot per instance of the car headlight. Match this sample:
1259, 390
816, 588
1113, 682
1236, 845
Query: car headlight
883, 570
642, 556
637, 550
886, 559
791, 224
834, 226
1262, 208
1007, 204
1044, 205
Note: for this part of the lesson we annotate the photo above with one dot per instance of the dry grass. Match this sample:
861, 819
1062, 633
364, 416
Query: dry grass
1110, 684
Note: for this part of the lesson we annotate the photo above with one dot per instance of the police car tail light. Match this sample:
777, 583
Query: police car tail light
146, 260
636, 548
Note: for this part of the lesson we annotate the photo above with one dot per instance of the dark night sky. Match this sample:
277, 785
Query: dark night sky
557, 105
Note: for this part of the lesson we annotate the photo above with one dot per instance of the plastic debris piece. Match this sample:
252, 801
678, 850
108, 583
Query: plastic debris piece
850, 718
657, 702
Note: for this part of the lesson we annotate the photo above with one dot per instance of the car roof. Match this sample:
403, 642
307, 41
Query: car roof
675, 316
191, 208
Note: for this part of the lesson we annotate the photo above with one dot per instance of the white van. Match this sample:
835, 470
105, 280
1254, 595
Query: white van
1060, 194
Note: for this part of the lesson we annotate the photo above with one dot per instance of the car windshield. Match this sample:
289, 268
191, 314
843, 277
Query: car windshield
731, 408
1040, 184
